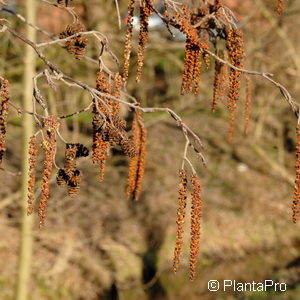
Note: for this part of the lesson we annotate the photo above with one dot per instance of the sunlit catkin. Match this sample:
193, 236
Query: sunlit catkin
145, 12
192, 69
296, 202
33, 153
4, 98
142, 161
235, 45
133, 164
196, 212
49, 145
182, 197
248, 104
137, 161
128, 40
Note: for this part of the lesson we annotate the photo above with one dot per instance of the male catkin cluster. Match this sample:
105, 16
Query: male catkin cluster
49, 146
192, 69
235, 45
76, 45
4, 102
196, 209
108, 125
196, 213
145, 12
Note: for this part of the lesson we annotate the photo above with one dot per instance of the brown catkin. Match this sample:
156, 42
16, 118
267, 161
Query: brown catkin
235, 45
195, 224
76, 45
33, 153
108, 125
133, 164
4, 98
192, 69
280, 6
138, 158
217, 85
248, 104
296, 201
193, 50
182, 197
128, 40
101, 143
49, 145
142, 161
145, 12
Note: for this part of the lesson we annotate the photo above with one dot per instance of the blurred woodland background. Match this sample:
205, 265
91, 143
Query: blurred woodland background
98, 245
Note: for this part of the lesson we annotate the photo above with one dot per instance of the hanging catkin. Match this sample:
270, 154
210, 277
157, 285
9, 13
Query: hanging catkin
33, 153
248, 104
296, 202
194, 49
145, 12
182, 197
235, 45
101, 144
195, 224
133, 164
4, 98
49, 145
137, 161
128, 40
192, 69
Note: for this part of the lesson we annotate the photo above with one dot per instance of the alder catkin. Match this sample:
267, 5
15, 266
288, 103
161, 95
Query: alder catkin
195, 224
145, 12
182, 197
33, 153
49, 145
4, 98
133, 163
138, 160
248, 104
128, 40
141, 163
296, 201
235, 45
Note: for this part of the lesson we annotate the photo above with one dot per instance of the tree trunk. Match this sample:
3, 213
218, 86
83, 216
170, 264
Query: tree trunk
26, 238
